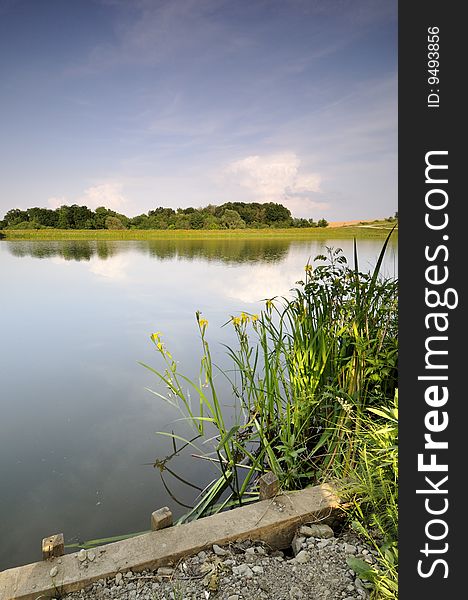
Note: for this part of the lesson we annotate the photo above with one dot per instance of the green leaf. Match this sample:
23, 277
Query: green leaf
360, 567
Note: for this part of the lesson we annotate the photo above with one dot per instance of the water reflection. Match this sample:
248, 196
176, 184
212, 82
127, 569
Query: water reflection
231, 251
77, 423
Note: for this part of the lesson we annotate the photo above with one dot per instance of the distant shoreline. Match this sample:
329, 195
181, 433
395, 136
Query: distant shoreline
340, 229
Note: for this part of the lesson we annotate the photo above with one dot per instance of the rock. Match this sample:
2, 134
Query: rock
264, 585
118, 579
323, 543
233, 597
296, 544
91, 555
296, 593
82, 555
358, 584
257, 570
317, 531
350, 549
302, 557
165, 571
219, 551
250, 551
53, 572
229, 562
243, 570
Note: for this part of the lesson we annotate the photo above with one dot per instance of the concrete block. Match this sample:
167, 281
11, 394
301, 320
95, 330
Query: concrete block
53, 546
268, 486
273, 522
161, 518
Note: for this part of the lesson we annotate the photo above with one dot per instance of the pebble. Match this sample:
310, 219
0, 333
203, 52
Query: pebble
295, 593
219, 551
244, 570
296, 544
82, 555
302, 557
53, 572
257, 570
91, 555
358, 584
317, 531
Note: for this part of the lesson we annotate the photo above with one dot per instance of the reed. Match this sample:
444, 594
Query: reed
311, 377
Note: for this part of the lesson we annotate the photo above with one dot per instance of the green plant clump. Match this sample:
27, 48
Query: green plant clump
314, 380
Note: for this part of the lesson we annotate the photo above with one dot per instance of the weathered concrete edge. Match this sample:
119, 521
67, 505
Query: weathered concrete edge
272, 521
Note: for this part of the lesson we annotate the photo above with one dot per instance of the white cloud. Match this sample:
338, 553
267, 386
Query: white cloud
104, 194
278, 178
263, 281
107, 194
56, 201
114, 268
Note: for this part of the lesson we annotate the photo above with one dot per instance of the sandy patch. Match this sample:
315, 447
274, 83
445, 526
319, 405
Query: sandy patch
348, 223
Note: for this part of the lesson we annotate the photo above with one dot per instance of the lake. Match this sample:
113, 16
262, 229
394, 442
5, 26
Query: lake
78, 424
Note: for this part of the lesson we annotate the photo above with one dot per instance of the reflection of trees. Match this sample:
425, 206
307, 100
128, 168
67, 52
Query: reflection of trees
66, 249
220, 250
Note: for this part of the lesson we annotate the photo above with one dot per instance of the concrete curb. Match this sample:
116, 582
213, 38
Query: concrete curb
272, 521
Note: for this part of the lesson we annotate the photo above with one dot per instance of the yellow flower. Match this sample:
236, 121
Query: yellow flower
308, 268
203, 323
244, 317
155, 336
269, 304
236, 321
254, 318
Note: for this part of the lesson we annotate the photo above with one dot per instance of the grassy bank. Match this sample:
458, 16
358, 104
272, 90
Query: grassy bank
375, 231
313, 382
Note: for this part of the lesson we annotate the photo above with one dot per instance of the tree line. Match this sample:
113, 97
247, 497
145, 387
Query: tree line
231, 215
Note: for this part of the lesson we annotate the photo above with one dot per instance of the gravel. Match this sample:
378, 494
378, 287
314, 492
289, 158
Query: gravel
316, 569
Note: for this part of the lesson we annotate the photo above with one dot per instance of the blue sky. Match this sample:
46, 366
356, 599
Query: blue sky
134, 104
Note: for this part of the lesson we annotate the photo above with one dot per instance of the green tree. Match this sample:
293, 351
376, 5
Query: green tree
232, 219
196, 220
114, 223
100, 215
276, 212
65, 218
15, 216
43, 216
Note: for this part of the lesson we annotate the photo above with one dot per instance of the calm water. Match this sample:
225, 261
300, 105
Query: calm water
77, 423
